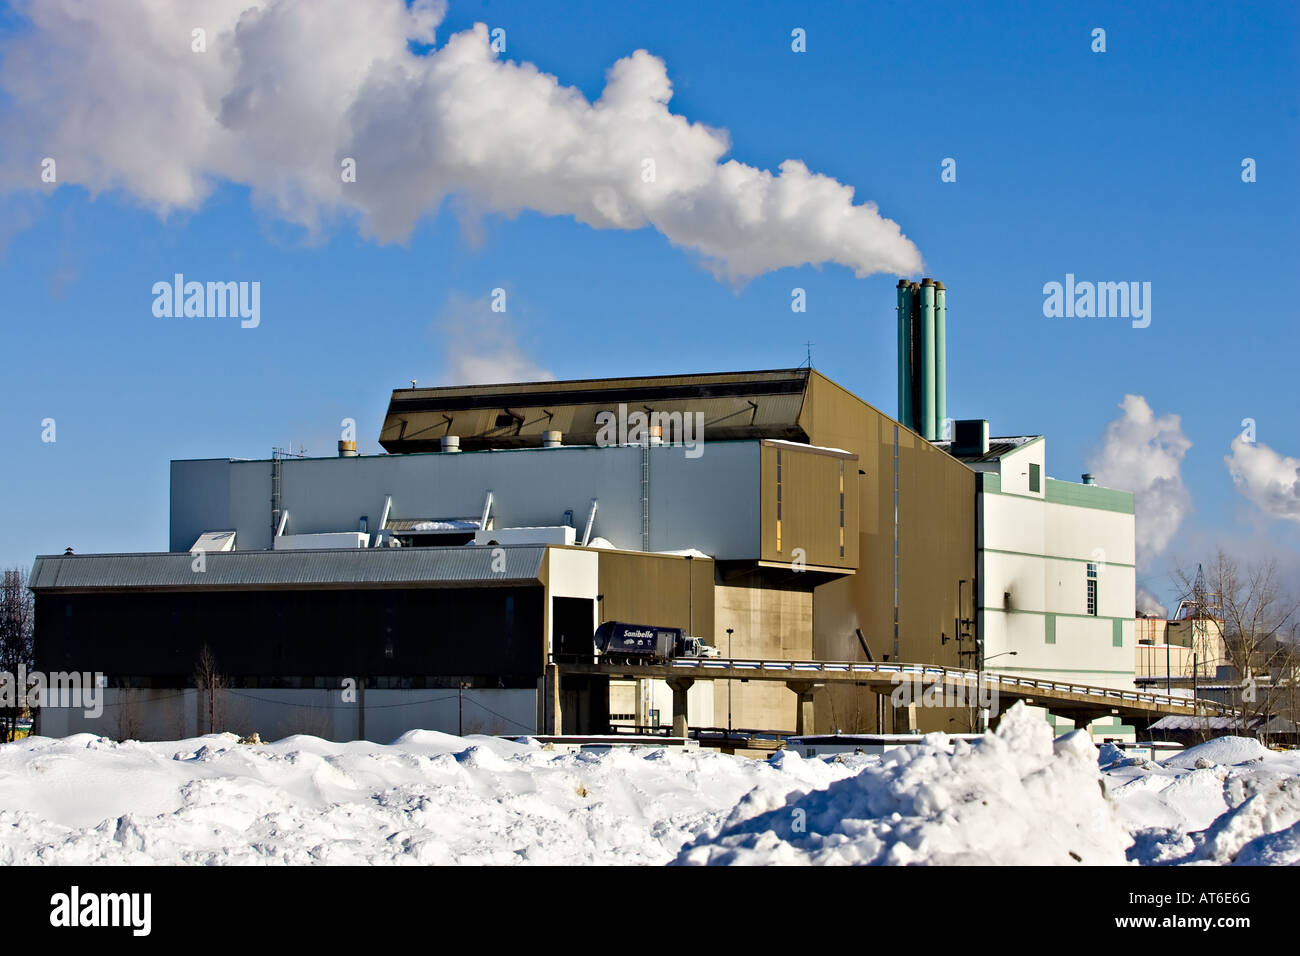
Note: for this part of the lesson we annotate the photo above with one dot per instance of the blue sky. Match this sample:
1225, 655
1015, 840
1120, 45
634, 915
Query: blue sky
1115, 166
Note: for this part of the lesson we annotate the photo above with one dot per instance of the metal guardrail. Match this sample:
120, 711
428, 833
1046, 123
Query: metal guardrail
704, 665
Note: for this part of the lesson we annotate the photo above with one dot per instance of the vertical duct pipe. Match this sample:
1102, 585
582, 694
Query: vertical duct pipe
940, 358
904, 352
927, 360
914, 354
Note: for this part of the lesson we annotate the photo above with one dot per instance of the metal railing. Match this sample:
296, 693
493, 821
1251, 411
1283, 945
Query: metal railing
710, 666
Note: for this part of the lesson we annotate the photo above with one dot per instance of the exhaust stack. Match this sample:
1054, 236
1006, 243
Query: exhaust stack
922, 356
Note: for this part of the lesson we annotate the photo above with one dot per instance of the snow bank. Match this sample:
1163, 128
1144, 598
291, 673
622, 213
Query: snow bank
1230, 800
1221, 750
1012, 798
426, 798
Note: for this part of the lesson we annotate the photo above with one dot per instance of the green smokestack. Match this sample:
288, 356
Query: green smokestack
940, 357
905, 352
927, 416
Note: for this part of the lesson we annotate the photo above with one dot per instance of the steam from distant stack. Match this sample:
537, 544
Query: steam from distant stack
922, 356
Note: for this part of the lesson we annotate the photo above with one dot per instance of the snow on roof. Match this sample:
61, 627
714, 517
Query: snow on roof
806, 446
998, 447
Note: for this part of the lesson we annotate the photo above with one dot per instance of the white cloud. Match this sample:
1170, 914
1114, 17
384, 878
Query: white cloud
287, 89
1269, 480
1144, 453
481, 347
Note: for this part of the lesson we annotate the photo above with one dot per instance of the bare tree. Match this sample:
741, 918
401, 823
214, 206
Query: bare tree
1258, 619
208, 680
17, 647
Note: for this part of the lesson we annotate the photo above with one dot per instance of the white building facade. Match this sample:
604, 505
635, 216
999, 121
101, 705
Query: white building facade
1056, 574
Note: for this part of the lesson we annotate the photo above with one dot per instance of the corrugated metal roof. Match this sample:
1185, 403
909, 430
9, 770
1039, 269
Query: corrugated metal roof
997, 448
353, 567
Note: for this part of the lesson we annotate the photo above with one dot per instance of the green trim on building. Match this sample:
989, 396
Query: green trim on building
1057, 492
1049, 628
1025, 610
1088, 496
1055, 557
1102, 726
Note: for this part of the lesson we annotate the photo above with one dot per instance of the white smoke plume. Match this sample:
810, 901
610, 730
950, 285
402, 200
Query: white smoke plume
286, 90
1265, 478
1149, 604
1144, 454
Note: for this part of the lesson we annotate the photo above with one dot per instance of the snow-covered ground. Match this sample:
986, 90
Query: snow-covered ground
1014, 797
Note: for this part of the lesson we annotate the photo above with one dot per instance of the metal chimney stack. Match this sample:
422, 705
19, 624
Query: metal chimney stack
922, 356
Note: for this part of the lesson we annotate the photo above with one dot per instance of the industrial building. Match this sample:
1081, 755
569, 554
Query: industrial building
772, 513
1057, 568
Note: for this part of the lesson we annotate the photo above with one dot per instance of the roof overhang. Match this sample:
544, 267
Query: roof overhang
734, 405
350, 568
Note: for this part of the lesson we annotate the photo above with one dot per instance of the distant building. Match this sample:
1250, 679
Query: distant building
1180, 655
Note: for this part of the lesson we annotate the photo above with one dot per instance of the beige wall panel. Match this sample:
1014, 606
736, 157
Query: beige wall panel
771, 624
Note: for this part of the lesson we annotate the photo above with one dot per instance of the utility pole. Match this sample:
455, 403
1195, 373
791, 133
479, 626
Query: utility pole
729, 683
1194, 683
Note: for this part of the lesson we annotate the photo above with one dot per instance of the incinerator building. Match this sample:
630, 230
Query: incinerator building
773, 513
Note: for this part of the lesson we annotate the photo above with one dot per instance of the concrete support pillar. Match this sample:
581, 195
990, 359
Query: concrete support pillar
902, 719
804, 690
680, 686
551, 720
1081, 718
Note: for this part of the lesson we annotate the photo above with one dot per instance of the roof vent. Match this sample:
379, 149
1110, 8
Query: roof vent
552, 439
450, 443
347, 449
1089, 479
970, 437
